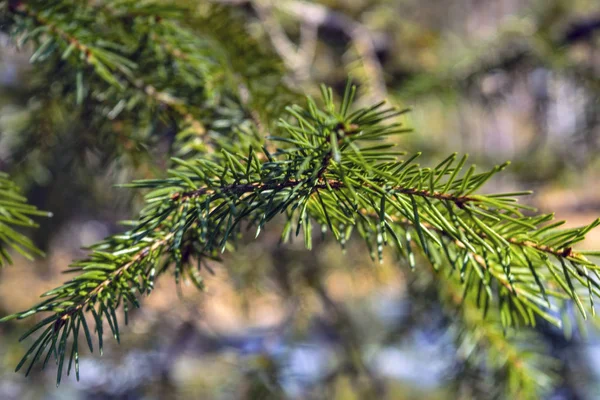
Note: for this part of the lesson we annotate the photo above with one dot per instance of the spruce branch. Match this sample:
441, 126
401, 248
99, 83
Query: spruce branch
483, 343
15, 212
326, 167
150, 67
334, 168
112, 67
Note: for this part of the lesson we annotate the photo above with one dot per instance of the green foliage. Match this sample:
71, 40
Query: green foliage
139, 72
522, 368
325, 168
15, 212
333, 169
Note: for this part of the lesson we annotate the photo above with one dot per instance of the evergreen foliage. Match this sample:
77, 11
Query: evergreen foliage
15, 212
325, 167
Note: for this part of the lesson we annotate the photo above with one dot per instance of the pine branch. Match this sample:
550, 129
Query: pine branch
139, 61
326, 167
333, 168
15, 212
483, 343
113, 68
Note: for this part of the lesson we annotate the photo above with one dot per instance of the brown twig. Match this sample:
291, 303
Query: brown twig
241, 188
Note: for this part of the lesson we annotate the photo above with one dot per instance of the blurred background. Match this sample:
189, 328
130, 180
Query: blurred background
501, 80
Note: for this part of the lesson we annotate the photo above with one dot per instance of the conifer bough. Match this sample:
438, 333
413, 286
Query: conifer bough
327, 167
334, 170
15, 212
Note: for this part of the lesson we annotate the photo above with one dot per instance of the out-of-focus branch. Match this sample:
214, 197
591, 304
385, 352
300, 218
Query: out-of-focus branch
291, 56
309, 36
312, 16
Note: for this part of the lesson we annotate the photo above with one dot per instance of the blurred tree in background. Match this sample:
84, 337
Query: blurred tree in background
195, 103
